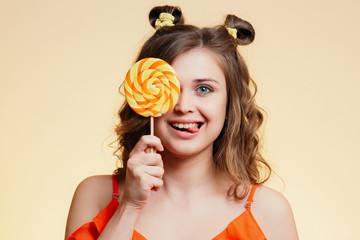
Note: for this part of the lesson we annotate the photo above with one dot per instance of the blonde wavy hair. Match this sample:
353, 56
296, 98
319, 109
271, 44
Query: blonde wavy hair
236, 150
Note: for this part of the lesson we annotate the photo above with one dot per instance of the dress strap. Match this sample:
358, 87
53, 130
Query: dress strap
251, 196
115, 187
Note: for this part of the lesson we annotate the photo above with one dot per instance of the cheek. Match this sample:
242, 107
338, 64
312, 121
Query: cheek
216, 110
158, 124
161, 127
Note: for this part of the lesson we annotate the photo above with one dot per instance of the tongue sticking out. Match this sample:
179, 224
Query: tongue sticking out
192, 130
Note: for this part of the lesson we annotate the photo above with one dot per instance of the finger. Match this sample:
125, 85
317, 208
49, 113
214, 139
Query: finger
145, 142
147, 182
154, 171
157, 183
152, 159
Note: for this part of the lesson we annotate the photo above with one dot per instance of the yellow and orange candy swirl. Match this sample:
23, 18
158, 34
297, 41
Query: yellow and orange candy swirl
152, 87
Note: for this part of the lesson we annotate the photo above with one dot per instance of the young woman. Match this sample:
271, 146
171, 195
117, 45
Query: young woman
204, 179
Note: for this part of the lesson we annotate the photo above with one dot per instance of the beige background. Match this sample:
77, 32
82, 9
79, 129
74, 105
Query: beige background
62, 62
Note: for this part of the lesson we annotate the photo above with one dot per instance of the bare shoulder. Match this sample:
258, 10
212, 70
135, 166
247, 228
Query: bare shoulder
90, 197
274, 215
270, 202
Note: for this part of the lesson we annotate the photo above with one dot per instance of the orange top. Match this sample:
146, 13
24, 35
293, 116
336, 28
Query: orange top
243, 227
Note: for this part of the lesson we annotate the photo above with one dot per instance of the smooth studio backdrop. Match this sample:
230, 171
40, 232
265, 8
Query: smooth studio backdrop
61, 63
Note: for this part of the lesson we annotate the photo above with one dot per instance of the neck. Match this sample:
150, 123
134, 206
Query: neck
190, 175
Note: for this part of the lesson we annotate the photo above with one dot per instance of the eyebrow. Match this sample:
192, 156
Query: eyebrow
201, 80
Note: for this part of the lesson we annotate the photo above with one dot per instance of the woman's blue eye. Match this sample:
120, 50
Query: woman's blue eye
203, 89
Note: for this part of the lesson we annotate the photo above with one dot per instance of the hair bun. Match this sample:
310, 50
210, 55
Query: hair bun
175, 11
245, 31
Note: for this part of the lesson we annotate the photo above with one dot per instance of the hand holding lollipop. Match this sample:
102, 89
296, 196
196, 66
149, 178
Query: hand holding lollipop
152, 88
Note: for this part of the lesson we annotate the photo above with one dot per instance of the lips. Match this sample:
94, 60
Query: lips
190, 127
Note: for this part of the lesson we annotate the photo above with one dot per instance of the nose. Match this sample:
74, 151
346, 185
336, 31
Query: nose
185, 104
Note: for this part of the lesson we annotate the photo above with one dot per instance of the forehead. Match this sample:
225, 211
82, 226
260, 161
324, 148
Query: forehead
199, 63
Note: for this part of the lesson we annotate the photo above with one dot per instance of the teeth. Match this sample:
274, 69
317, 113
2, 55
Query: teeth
186, 125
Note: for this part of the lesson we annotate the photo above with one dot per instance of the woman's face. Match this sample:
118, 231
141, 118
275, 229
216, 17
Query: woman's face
197, 119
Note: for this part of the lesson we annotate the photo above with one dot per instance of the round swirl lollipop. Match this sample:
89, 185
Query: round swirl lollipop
152, 88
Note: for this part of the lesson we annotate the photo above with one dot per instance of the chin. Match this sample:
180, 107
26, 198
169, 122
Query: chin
185, 150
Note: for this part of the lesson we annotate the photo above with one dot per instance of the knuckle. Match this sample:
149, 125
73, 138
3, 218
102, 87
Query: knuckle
131, 163
150, 139
132, 153
159, 160
161, 171
144, 138
150, 157
137, 173
160, 183
143, 180
154, 157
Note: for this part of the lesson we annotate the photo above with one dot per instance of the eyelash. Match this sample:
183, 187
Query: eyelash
202, 87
